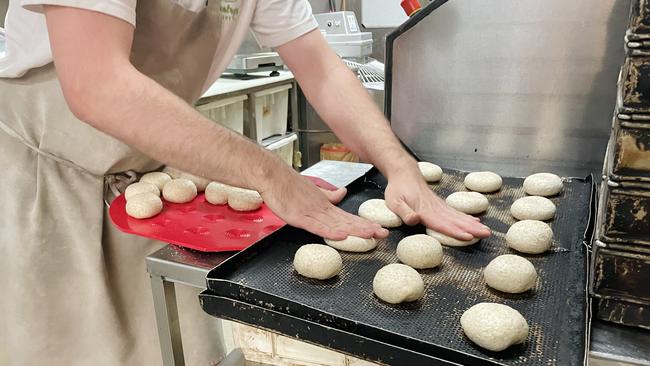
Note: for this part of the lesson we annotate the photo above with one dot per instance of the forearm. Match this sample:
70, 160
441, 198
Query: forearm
138, 111
344, 104
353, 116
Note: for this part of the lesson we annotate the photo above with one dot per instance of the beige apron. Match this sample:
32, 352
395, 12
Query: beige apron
74, 290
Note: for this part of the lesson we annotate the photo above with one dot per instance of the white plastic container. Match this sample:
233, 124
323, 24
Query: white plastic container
228, 112
271, 110
282, 146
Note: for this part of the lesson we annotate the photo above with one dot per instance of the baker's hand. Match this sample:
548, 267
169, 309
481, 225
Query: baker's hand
409, 196
298, 202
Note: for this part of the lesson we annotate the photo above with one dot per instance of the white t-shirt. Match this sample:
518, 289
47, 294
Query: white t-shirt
274, 22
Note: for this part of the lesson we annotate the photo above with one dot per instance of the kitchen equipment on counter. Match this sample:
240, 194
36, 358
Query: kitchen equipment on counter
343, 34
259, 286
244, 64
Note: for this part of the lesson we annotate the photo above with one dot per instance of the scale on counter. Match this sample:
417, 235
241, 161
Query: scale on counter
242, 65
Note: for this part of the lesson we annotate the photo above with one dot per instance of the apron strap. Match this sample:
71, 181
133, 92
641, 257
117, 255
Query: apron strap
114, 183
46, 154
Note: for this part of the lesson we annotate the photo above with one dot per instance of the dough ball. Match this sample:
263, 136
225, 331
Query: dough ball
179, 190
396, 283
144, 205
217, 193
543, 184
483, 182
468, 202
510, 273
140, 187
530, 236
317, 261
353, 244
240, 199
533, 208
448, 240
172, 172
200, 182
159, 179
494, 326
420, 251
376, 211
431, 172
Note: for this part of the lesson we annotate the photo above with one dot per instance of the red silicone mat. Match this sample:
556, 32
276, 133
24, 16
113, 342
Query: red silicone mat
202, 226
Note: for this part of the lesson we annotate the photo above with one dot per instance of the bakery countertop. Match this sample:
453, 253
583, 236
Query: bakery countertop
229, 83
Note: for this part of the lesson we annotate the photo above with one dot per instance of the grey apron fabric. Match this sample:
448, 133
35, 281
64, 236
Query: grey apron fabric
74, 290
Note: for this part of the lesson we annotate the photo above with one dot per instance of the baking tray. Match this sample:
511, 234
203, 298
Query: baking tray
621, 275
262, 276
639, 23
628, 153
633, 98
623, 213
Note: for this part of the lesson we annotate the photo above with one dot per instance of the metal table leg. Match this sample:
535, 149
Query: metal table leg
169, 332
234, 358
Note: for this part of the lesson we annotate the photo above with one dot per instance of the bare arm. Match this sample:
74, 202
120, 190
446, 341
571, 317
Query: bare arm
91, 54
344, 104
347, 108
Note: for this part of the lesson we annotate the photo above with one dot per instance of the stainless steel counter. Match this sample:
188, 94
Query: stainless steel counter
610, 344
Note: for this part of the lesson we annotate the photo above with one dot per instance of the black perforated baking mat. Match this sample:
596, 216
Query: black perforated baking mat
556, 309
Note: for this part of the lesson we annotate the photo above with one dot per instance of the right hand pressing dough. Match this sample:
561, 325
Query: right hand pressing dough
396, 283
530, 236
353, 244
494, 326
317, 261
448, 240
420, 251
510, 273
468, 202
533, 208
375, 210
179, 191
144, 205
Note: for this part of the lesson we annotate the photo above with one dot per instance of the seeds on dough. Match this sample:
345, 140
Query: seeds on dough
140, 187
448, 240
317, 261
431, 172
353, 244
179, 190
396, 283
494, 326
159, 179
484, 182
530, 236
468, 202
375, 210
510, 273
533, 208
144, 205
420, 251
